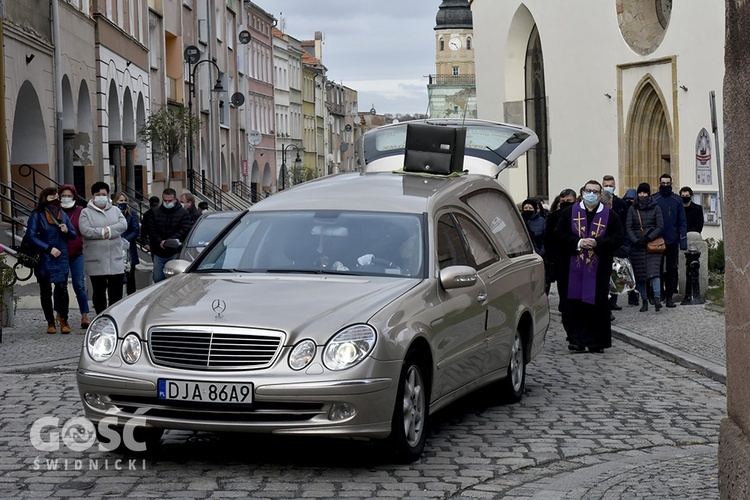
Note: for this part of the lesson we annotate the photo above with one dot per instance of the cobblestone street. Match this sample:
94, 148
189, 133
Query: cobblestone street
624, 424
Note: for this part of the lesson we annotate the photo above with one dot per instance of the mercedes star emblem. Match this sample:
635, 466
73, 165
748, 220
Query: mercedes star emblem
219, 306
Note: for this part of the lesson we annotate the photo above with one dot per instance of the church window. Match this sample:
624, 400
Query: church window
468, 43
455, 71
442, 45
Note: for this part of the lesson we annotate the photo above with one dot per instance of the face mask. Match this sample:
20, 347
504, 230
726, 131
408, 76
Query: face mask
665, 190
122, 206
67, 202
643, 201
590, 198
100, 201
565, 204
686, 200
610, 189
55, 202
169, 205
527, 214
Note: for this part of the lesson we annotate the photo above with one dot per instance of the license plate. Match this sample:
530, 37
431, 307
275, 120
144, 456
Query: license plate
205, 392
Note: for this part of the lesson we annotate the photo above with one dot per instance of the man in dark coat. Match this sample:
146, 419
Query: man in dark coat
170, 222
675, 235
693, 211
589, 233
621, 209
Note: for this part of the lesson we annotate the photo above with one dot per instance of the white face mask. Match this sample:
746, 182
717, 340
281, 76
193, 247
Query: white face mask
67, 202
100, 201
611, 189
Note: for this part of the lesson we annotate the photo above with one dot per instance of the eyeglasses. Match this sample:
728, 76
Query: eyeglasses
591, 191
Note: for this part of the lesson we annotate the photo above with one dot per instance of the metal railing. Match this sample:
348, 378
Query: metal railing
217, 198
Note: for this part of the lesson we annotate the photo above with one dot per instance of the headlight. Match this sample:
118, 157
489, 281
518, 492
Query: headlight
101, 338
348, 347
302, 354
131, 348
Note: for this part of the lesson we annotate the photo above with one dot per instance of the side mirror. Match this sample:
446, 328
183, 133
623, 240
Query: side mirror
173, 244
458, 277
175, 266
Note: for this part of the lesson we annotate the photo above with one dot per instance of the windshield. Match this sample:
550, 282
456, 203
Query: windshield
337, 242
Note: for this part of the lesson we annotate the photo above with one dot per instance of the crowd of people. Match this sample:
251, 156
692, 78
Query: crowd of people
582, 234
98, 239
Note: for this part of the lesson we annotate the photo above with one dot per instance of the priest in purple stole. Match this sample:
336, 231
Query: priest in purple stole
589, 233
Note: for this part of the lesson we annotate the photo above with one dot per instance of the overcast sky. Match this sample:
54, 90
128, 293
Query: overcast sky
384, 49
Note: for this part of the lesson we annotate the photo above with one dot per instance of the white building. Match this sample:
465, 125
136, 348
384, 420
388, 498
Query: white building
615, 87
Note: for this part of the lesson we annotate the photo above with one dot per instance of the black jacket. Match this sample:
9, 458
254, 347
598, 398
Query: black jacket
172, 223
694, 217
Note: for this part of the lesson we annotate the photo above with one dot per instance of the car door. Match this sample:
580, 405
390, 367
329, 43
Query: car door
508, 281
459, 334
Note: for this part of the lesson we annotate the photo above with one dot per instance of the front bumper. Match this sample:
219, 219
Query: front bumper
281, 404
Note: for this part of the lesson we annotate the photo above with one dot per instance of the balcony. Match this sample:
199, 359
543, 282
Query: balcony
452, 80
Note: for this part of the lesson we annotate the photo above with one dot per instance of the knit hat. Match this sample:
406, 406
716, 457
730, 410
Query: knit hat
630, 194
643, 187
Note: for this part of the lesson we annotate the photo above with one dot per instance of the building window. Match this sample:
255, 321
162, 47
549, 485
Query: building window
468, 43
455, 71
442, 45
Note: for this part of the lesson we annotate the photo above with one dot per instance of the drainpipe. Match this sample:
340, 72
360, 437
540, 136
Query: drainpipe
4, 172
58, 93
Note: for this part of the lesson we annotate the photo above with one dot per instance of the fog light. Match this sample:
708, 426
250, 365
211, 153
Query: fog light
342, 411
95, 401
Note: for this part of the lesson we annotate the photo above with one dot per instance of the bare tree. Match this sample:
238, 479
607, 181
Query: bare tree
169, 130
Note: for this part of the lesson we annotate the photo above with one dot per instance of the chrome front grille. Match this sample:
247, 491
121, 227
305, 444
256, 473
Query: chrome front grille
224, 348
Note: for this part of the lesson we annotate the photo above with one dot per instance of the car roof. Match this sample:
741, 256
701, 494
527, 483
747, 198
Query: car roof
376, 191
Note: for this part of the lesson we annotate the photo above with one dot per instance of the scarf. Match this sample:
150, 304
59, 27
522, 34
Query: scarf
583, 265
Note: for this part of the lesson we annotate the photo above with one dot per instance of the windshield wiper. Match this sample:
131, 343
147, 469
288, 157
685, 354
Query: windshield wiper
310, 271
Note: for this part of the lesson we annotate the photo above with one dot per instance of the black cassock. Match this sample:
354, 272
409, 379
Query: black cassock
587, 324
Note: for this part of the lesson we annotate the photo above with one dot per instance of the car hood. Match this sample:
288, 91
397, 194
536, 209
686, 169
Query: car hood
313, 306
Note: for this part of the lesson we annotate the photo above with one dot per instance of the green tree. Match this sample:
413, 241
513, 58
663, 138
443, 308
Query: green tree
168, 130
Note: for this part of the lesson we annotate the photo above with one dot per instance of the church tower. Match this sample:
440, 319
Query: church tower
452, 90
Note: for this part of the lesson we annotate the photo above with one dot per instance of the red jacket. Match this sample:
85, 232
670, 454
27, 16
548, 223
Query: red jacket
75, 246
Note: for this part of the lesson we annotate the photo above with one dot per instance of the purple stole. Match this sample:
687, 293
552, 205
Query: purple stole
583, 265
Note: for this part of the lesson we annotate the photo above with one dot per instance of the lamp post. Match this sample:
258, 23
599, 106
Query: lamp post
192, 54
297, 162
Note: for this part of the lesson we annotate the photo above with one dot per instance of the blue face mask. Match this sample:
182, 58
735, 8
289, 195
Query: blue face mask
168, 205
122, 206
590, 198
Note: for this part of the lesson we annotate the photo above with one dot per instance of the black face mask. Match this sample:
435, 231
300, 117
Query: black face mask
686, 200
564, 204
643, 201
527, 214
665, 190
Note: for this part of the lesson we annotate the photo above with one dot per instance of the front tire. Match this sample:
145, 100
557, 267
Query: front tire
411, 411
513, 385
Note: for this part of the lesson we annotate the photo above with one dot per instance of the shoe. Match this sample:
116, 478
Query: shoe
644, 307
615, 307
51, 328
64, 326
657, 306
576, 348
85, 321
597, 350
612, 317
670, 303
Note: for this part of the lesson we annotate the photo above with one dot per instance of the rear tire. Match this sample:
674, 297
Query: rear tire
411, 411
513, 385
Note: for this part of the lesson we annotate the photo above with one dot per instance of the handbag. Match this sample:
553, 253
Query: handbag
28, 255
657, 245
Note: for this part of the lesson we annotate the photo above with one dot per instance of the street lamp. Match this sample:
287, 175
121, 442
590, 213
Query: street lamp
297, 163
192, 53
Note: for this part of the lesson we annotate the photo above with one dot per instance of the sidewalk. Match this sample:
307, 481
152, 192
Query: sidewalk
691, 336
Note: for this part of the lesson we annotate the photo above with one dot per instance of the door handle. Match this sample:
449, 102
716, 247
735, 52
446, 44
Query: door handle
482, 297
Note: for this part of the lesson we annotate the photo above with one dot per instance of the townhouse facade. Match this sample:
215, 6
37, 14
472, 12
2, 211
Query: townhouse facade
82, 79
